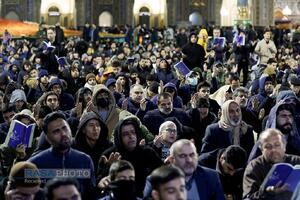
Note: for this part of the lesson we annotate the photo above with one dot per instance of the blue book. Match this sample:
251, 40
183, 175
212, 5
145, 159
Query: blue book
284, 173
48, 46
182, 68
20, 133
62, 61
219, 41
240, 40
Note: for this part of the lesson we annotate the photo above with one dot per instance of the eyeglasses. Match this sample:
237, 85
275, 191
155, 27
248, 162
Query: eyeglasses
171, 130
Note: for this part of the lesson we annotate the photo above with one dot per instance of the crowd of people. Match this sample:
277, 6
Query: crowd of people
118, 120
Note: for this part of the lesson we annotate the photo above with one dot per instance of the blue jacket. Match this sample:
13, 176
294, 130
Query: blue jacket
73, 159
208, 184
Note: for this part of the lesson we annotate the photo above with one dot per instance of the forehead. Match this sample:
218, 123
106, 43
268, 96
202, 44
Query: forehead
51, 96
186, 149
165, 100
271, 139
57, 123
93, 121
233, 106
127, 127
284, 112
171, 125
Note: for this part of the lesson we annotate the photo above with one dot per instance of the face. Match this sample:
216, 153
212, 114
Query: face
52, 102
19, 104
267, 36
172, 190
127, 174
165, 105
92, 129
87, 97
169, 133
56, 89
129, 138
273, 149
122, 80
137, 94
51, 35
92, 81
66, 192
234, 113
34, 73
204, 92
8, 116
186, 159
269, 87
203, 112
163, 64
242, 99
44, 79
295, 89
235, 84
75, 73
59, 134
216, 33
193, 39
227, 168
284, 121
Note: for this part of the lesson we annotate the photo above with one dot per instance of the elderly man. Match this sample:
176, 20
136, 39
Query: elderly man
273, 146
229, 130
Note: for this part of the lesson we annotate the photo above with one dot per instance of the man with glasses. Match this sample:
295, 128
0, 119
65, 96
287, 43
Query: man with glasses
273, 146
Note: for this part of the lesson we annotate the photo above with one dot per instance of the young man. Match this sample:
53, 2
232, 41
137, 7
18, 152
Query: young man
168, 184
62, 188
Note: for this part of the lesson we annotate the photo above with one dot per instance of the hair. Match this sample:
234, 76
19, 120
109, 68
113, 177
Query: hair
178, 144
9, 108
272, 60
270, 132
51, 117
202, 103
203, 84
51, 28
240, 90
56, 183
234, 78
163, 125
43, 111
17, 175
48, 94
165, 174
119, 166
163, 95
236, 156
285, 106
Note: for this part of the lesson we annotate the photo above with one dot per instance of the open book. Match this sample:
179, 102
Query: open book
240, 40
48, 46
19, 133
219, 41
284, 173
182, 68
62, 61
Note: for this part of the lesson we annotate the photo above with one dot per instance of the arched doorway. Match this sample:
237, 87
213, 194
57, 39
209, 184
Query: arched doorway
196, 18
144, 16
53, 15
105, 19
12, 15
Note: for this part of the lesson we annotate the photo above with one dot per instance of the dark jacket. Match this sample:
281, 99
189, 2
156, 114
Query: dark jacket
207, 181
255, 173
102, 144
73, 159
216, 138
143, 159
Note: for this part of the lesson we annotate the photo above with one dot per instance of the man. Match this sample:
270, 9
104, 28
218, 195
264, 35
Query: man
229, 130
201, 183
296, 40
294, 82
203, 89
219, 51
121, 181
103, 103
265, 49
168, 184
273, 146
66, 100
8, 113
127, 136
166, 137
51, 100
62, 188
19, 186
230, 165
35, 93
241, 96
61, 155
282, 117
154, 118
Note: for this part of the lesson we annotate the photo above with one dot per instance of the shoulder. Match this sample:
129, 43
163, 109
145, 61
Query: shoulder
43, 155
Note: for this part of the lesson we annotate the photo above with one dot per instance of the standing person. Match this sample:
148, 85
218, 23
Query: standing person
265, 49
273, 146
60, 36
296, 40
193, 53
62, 156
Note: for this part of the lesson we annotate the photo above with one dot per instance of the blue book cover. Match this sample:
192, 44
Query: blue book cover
219, 41
284, 173
240, 40
19, 133
48, 46
182, 68
62, 61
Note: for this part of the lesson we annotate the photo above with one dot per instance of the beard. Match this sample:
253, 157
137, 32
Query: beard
285, 128
64, 144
